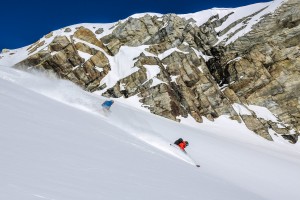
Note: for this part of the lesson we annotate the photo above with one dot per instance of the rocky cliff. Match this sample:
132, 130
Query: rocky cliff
212, 63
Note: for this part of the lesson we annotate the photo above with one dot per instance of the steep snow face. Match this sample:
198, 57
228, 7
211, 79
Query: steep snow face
56, 143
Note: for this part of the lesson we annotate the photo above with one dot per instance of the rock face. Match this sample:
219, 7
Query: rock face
267, 71
198, 74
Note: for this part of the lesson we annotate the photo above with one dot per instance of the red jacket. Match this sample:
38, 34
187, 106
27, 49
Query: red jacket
182, 145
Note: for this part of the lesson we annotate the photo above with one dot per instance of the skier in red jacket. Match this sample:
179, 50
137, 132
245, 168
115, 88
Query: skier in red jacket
181, 143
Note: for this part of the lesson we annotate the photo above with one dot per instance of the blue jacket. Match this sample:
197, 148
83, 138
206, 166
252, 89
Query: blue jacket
107, 103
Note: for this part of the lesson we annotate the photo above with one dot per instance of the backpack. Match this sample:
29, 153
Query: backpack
177, 142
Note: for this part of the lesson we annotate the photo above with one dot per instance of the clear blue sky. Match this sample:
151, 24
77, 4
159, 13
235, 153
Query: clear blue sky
24, 22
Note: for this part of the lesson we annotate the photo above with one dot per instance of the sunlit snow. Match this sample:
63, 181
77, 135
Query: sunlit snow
57, 143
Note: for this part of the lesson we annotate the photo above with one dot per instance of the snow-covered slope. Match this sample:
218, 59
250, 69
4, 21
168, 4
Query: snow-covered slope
56, 143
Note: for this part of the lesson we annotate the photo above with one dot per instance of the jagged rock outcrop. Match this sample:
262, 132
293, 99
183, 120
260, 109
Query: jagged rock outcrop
267, 71
198, 74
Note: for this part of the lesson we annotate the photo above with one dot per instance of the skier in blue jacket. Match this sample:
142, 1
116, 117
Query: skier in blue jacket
107, 104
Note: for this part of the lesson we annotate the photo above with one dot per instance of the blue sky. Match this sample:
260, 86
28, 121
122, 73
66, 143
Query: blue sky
24, 22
